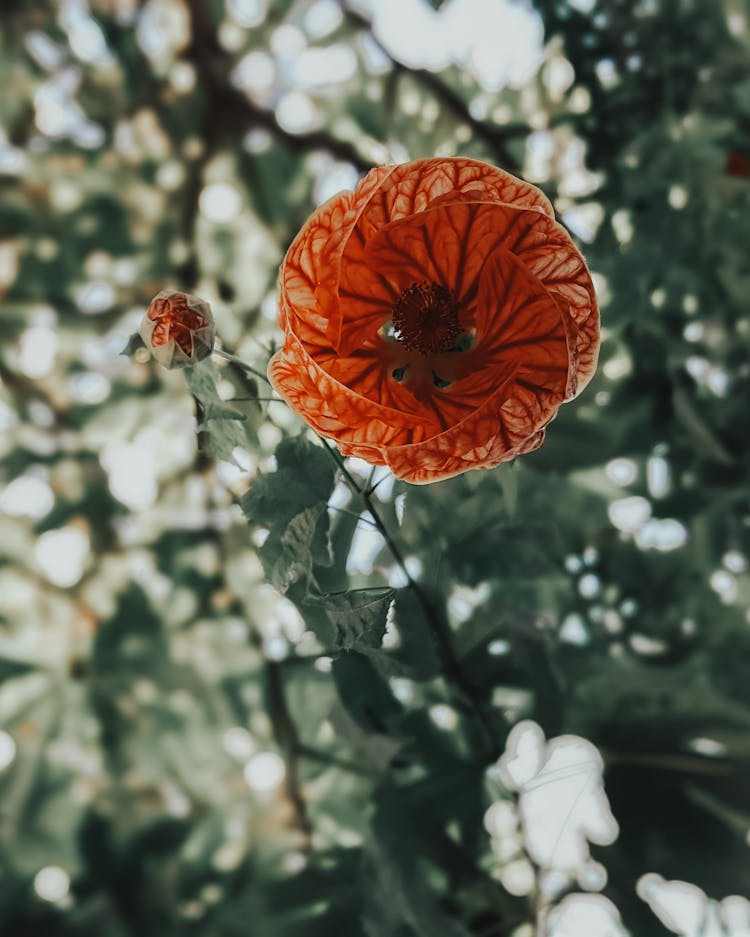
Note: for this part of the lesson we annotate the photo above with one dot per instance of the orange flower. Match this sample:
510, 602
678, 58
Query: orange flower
435, 319
178, 329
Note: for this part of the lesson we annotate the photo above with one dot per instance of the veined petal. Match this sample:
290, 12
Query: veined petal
502, 428
519, 320
416, 186
547, 251
335, 410
366, 292
309, 275
439, 247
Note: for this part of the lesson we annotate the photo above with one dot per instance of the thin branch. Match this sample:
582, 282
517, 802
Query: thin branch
682, 763
439, 628
241, 364
288, 740
233, 111
496, 137
333, 761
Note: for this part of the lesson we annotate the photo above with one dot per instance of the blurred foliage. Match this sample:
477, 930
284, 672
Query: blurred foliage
228, 705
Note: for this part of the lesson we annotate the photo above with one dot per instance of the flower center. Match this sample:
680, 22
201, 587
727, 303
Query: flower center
425, 318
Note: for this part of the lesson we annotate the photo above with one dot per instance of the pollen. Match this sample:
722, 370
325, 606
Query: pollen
425, 318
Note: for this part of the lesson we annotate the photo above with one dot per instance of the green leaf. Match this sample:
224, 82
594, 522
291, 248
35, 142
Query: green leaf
373, 750
364, 692
288, 556
508, 478
304, 478
358, 618
220, 426
134, 343
292, 502
399, 895
415, 655
10, 667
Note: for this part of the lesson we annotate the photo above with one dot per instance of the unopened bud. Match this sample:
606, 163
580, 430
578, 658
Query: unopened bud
178, 329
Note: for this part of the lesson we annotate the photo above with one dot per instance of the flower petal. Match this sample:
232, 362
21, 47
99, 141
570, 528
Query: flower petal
450, 244
416, 186
519, 320
547, 251
335, 410
520, 284
527, 390
496, 432
309, 275
410, 189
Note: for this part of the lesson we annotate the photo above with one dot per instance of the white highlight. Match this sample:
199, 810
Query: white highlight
7, 750
247, 12
131, 471
52, 883
589, 585
658, 477
501, 818
27, 496
255, 73
296, 112
95, 297
662, 534
680, 906
339, 177
622, 472
589, 915
507, 50
264, 772
518, 877
444, 717
629, 514
220, 202
61, 555
319, 68
724, 584
561, 799
238, 743
38, 348
573, 630
322, 18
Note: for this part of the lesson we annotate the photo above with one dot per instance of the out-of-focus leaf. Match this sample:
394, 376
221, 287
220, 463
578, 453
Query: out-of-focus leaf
697, 428
398, 896
10, 668
364, 692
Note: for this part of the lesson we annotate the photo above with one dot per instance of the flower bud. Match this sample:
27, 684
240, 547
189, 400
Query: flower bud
178, 329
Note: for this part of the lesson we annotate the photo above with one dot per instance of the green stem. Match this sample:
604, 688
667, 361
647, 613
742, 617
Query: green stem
240, 363
333, 761
439, 628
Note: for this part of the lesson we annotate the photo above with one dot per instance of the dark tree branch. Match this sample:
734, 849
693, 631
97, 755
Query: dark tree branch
288, 740
232, 112
496, 137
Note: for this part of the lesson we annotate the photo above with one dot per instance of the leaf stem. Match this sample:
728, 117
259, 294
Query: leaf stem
240, 363
681, 763
333, 761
